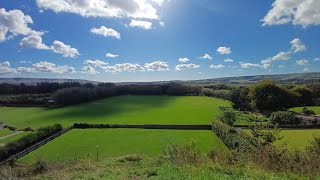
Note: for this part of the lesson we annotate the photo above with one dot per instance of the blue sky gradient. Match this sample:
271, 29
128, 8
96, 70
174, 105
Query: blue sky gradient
190, 29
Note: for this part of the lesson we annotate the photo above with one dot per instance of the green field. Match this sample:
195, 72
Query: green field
121, 110
117, 142
295, 139
316, 109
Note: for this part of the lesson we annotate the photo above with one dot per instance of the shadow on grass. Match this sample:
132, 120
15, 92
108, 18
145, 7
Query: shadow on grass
111, 106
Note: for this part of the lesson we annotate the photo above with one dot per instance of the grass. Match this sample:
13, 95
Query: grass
316, 109
144, 168
244, 118
298, 139
117, 142
13, 138
121, 110
4, 132
295, 139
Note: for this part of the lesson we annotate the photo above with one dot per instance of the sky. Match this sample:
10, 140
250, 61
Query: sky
157, 40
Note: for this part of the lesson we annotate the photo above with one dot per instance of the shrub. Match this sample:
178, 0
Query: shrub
28, 140
223, 94
228, 116
40, 166
284, 118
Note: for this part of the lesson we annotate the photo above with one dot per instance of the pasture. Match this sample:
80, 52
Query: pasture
316, 109
120, 110
295, 139
117, 142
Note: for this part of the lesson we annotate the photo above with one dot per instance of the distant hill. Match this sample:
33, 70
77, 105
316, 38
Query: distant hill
281, 78
34, 81
298, 78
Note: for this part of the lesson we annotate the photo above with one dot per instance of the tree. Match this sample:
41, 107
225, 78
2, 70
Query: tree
266, 95
304, 95
284, 118
228, 116
239, 98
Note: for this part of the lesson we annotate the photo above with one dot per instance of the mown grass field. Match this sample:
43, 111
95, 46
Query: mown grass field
121, 110
82, 144
316, 109
296, 139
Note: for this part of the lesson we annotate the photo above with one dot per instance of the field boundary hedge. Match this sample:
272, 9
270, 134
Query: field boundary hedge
35, 146
143, 126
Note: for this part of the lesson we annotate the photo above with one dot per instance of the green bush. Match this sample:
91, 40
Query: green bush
228, 116
284, 118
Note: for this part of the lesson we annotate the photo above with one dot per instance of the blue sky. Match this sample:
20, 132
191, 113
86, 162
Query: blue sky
150, 40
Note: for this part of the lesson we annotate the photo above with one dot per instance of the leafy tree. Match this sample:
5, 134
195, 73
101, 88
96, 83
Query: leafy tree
284, 118
228, 116
240, 99
304, 95
266, 95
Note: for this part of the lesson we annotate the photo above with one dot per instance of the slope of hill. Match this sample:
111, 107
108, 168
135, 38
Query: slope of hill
33, 81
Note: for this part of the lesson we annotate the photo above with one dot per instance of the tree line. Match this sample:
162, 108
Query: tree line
44, 87
267, 95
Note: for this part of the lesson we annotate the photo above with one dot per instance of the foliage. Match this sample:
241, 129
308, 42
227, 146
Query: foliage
228, 116
266, 95
264, 135
223, 94
234, 139
240, 99
28, 140
25, 99
303, 94
284, 118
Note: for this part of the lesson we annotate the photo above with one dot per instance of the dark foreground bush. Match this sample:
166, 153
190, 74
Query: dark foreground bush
284, 118
28, 140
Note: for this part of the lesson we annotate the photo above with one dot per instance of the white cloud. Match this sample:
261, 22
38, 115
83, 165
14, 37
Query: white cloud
297, 45
33, 41
102, 8
266, 63
316, 59
66, 50
248, 65
305, 69
94, 63
224, 50
25, 70
159, 2
140, 24
302, 62
183, 60
162, 24
218, 66
15, 22
181, 67
157, 66
5, 68
110, 55
23, 62
228, 60
104, 31
281, 56
45, 66
125, 67
297, 12
206, 56
89, 70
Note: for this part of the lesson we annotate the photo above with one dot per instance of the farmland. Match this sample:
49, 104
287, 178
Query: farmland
120, 110
118, 142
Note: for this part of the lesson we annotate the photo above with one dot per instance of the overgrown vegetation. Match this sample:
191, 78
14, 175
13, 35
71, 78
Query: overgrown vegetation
28, 140
284, 118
